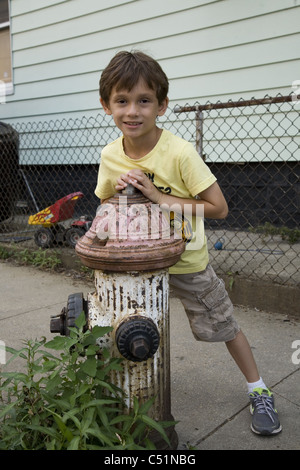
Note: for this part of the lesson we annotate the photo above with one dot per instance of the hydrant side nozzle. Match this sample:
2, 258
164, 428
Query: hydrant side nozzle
66, 319
58, 322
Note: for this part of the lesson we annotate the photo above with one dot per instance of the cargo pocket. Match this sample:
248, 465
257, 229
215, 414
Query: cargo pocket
217, 304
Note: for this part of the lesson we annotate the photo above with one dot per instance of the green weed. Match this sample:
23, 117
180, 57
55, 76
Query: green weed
64, 400
291, 235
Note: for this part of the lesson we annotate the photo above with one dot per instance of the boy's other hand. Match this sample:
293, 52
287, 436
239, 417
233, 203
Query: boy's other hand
122, 182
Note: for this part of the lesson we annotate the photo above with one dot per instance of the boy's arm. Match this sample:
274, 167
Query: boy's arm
215, 206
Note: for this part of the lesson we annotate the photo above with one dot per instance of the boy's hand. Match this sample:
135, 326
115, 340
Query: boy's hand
121, 182
215, 206
139, 180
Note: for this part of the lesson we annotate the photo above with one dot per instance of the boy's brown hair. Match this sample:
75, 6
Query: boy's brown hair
126, 68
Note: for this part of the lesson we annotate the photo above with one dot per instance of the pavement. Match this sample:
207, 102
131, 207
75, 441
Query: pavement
208, 392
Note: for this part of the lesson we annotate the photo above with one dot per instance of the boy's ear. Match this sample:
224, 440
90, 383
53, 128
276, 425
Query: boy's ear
163, 107
105, 107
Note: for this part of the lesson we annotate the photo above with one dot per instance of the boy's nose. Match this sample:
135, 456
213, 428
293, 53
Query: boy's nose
132, 110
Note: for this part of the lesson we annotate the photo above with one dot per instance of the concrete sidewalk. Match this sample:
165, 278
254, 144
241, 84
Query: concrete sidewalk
208, 391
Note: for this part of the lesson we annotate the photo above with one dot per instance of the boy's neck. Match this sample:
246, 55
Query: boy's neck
138, 148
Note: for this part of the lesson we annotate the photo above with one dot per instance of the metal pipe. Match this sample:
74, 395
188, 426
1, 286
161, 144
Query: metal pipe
236, 104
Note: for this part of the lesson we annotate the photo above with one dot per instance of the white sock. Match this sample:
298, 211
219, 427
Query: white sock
259, 384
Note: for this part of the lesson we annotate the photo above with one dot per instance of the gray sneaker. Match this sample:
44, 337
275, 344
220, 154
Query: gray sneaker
264, 415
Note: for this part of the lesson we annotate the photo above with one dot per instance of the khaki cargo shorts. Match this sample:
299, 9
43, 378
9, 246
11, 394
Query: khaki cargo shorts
207, 305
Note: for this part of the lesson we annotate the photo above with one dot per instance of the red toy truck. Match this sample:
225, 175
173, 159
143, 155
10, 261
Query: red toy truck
51, 230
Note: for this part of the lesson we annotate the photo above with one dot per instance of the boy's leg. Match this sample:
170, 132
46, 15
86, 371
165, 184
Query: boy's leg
207, 305
265, 417
240, 351
209, 311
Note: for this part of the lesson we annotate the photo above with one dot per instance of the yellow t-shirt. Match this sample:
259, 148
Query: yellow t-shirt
175, 168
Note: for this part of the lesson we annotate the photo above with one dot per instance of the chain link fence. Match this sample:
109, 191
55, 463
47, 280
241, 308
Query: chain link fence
251, 146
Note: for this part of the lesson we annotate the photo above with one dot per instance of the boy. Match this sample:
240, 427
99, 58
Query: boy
168, 171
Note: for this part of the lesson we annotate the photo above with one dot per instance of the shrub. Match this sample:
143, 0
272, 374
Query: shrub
64, 400
291, 235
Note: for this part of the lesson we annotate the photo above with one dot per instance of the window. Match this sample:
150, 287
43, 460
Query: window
6, 87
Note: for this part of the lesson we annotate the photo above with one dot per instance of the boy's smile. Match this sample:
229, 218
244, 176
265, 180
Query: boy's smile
134, 113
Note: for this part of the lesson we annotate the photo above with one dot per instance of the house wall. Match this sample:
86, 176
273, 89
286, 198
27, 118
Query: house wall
210, 49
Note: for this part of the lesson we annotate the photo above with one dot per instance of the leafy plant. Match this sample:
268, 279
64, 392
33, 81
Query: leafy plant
87, 271
5, 253
292, 235
231, 276
40, 258
64, 400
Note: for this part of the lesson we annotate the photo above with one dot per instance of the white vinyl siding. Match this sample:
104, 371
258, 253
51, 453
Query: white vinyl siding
211, 50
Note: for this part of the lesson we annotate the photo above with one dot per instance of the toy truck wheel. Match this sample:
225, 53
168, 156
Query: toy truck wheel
44, 237
73, 235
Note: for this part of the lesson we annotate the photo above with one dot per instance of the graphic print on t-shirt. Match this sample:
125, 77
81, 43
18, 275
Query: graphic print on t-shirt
178, 221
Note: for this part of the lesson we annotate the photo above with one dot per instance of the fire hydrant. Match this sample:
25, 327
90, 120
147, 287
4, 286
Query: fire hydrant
130, 246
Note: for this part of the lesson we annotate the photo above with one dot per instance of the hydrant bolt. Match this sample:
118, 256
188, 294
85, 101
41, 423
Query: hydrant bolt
139, 348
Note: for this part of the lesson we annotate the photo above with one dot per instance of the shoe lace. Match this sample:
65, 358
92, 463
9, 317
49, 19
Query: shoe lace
264, 404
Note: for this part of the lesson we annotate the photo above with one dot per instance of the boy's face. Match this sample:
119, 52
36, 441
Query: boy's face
135, 111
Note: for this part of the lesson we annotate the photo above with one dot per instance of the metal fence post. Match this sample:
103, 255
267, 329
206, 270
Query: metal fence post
199, 132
